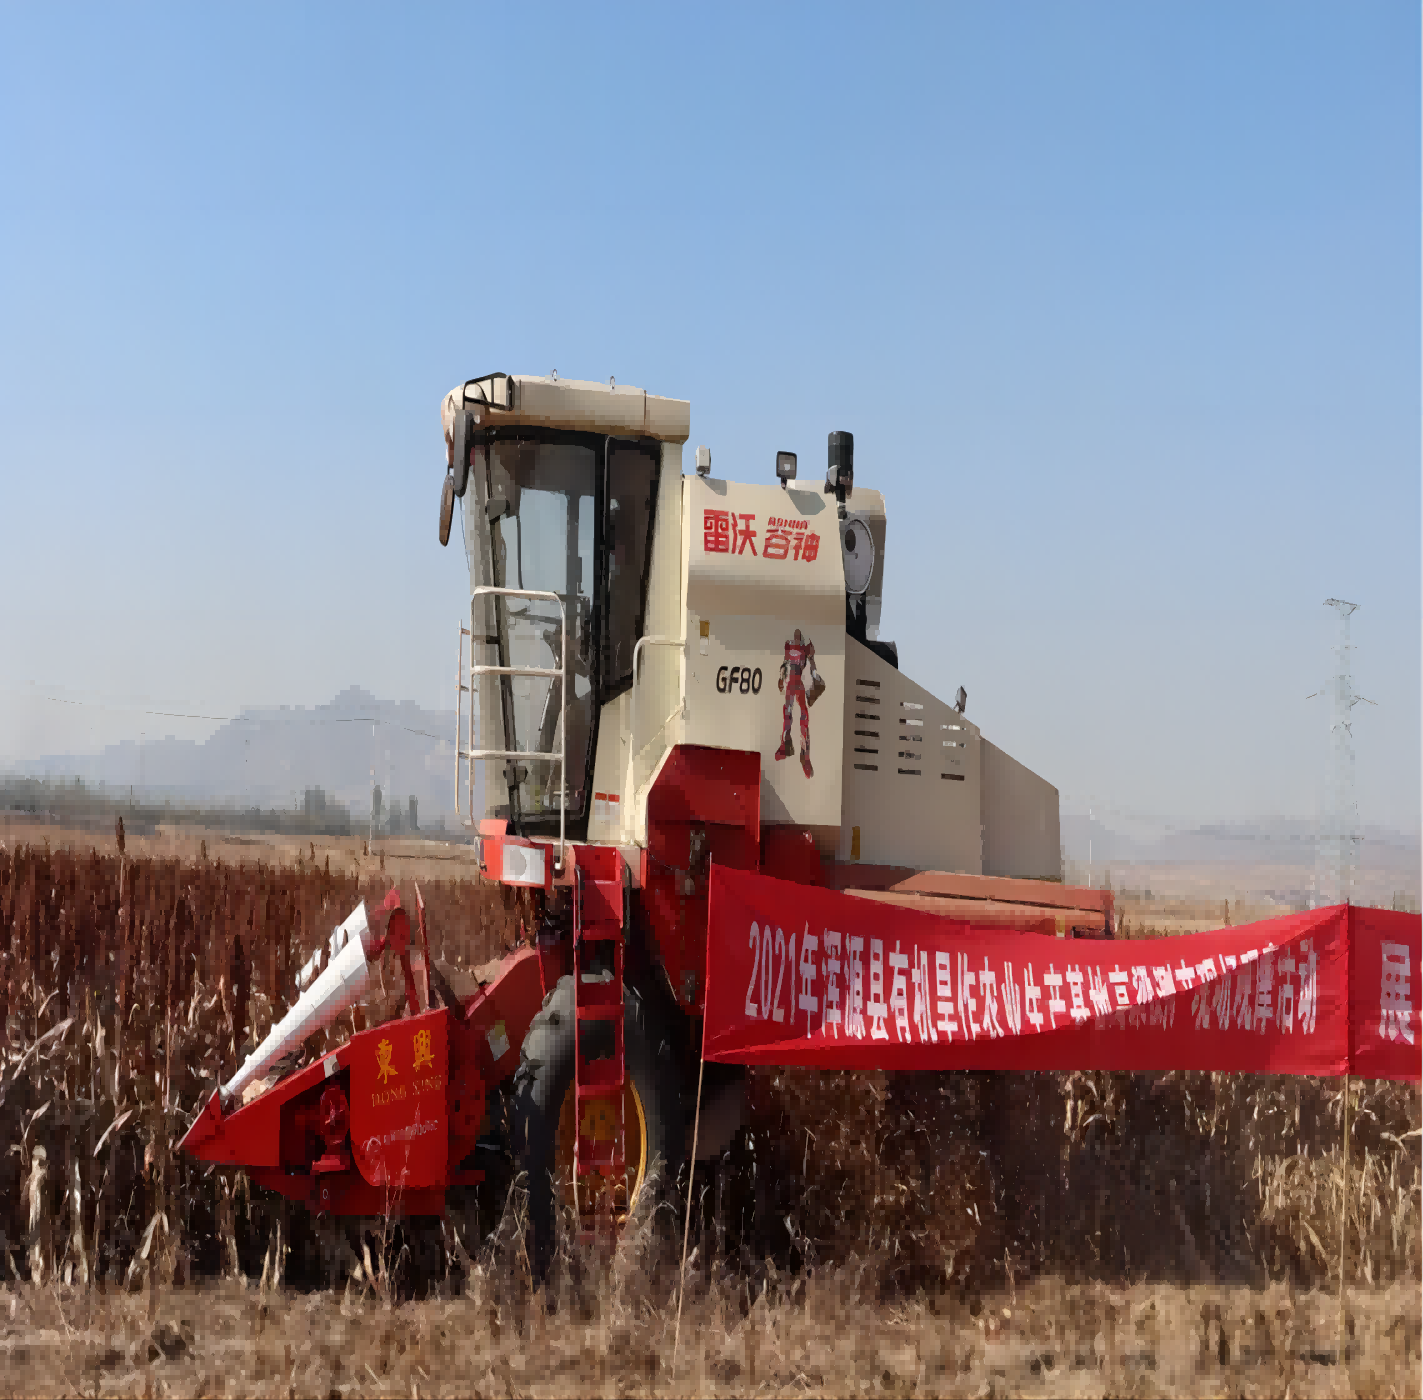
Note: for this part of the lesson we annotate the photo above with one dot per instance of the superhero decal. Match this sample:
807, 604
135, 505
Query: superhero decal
799, 658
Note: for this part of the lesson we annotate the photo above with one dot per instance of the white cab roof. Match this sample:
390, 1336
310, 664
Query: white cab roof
579, 405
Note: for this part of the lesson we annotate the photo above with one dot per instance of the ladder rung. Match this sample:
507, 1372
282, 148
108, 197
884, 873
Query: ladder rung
601, 933
585, 1067
599, 1013
603, 901
599, 1157
600, 1080
599, 995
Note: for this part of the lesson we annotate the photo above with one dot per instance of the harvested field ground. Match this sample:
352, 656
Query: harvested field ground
806, 1337
1084, 1233
1167, 915
398, 858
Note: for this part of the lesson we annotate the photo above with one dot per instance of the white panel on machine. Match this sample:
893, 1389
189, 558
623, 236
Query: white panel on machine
522, 865
336, 990
355, 926
1019, 813
911, 772
766, 616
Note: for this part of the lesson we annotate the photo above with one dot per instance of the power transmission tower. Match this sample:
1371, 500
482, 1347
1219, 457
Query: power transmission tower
1339, 833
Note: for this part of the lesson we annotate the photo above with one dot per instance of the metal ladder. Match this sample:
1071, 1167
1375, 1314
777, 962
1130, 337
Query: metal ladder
472, 755
599, 1084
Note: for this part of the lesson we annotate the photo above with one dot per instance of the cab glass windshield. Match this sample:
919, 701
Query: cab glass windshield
569, 515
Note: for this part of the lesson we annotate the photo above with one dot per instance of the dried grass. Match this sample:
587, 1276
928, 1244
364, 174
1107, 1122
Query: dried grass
805, 1336
128, 986
128, 989
972, 1179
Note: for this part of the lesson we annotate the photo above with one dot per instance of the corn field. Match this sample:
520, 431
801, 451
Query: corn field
128, 988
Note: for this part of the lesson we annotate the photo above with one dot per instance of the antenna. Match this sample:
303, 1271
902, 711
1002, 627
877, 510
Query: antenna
1339, 834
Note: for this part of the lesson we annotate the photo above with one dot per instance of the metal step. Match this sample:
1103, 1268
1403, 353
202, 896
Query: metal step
599, 1001
599, 1157
600, 1080
603, 933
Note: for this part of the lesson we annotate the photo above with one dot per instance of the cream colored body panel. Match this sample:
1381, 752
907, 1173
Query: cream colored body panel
659, 683
898, 777
1021, 833
779, 572
911, 773
605, 816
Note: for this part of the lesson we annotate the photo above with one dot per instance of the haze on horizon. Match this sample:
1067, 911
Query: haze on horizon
1121, 305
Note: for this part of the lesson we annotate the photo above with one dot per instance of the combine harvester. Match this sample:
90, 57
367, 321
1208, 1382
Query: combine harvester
665, 673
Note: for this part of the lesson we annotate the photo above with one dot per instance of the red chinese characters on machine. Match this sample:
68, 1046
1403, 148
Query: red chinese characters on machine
736, 532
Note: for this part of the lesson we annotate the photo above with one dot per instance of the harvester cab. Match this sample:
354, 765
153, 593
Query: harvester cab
626, 616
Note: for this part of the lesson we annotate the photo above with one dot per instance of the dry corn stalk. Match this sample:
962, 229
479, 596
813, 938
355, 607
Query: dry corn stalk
40, 1236
165, 970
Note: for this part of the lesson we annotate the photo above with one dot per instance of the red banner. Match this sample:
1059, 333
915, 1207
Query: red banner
798, 975
1383, 994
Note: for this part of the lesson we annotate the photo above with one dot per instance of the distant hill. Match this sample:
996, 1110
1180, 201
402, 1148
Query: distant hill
270, 758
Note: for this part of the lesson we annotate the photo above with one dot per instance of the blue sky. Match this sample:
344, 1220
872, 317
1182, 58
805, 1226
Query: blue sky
1121, 303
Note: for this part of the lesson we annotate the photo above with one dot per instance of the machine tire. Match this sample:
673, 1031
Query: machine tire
545, 1077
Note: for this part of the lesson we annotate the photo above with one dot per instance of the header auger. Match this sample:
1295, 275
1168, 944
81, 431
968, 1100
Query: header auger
649, 656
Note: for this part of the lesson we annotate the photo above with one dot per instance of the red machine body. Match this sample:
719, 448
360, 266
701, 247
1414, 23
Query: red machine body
643, 584
381, 1124
384, 1123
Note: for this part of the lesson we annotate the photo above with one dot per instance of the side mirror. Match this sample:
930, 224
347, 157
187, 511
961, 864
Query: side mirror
447, 507
459, 453
492, 390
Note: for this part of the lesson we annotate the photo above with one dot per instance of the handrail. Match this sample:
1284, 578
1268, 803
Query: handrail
627, 802
519, 671
460, 689
474, 755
